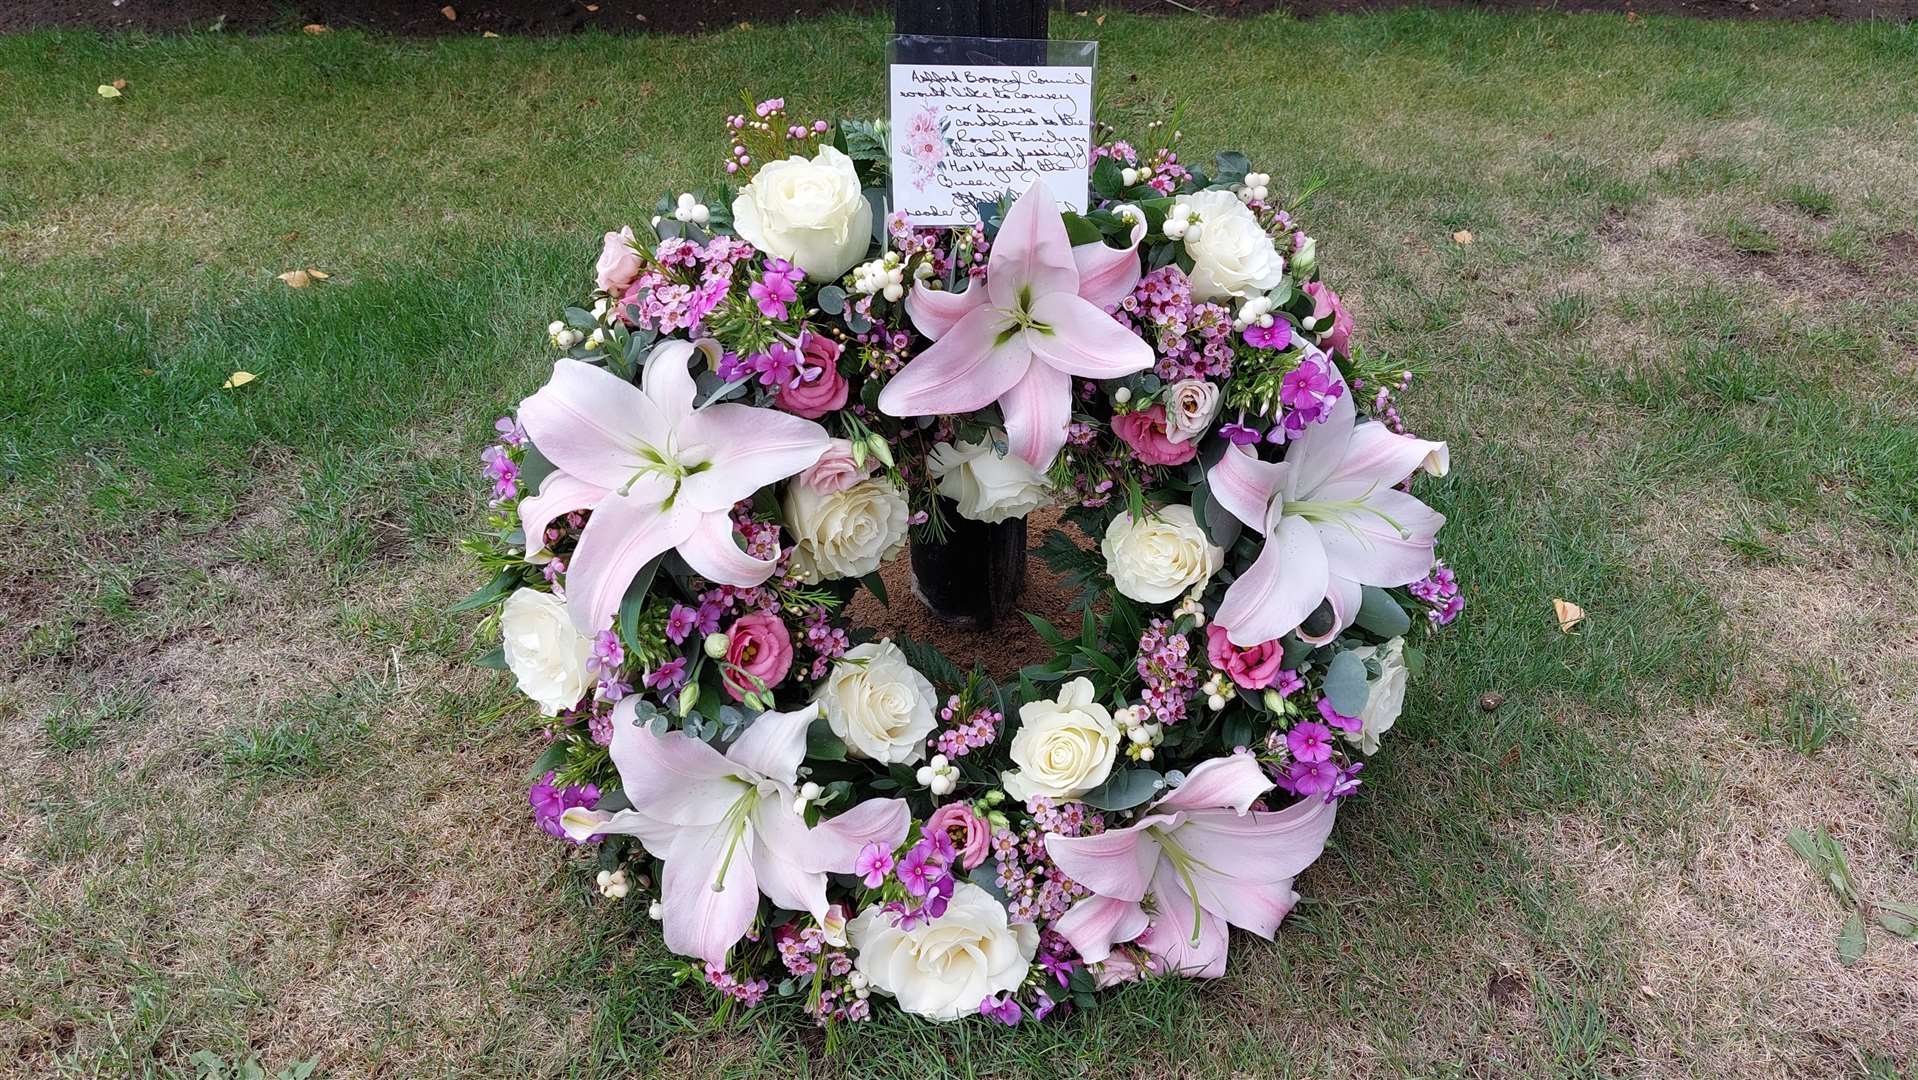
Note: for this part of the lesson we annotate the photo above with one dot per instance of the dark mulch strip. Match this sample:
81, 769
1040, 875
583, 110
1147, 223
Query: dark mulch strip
682, 16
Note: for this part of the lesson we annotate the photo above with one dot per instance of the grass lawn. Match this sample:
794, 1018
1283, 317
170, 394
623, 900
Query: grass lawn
256, 801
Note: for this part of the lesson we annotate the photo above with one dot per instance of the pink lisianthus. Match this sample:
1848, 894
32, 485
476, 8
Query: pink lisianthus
971, 835
818, 388
1326, 304
618, 264
835, 470
1145, 432
758, 646
1254, 667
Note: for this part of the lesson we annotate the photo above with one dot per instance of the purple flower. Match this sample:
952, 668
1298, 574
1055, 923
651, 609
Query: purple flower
550, 801
1003, 1009
1277, 337
1237, 433
510, 432
1338, 719
679, 623
502, 471
607, 654
1309, 777
917, 870
667, 677
1309, 741
873, 865
776, 288
1347, 782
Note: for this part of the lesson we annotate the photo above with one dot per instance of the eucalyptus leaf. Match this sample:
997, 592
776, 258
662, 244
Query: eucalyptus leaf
1125, 790
1345, 684
832, 299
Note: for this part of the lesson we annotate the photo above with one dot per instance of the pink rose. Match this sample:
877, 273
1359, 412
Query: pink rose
1254, 668
835, 471
1326, 302
1145, 432
971, 835
618, 263
757, 646
826, 392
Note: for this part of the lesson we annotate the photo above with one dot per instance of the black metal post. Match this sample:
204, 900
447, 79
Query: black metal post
975, 576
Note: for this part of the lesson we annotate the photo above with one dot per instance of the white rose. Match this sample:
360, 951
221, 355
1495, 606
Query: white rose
1385, 693
1190, 407
944, 967
1233, 255
878, 704
543, 651
1064, 747
1157, 558
845, 534
987, 485
808, 212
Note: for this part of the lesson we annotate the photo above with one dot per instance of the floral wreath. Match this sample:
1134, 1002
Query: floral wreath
770, 391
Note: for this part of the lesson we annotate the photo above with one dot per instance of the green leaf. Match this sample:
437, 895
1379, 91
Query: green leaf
1345, 684
1081, 231
1232, 167
490, 593
534, 468
551, 760
1851, 941
877, 586
1108, 178
495, 660
832, 299
1125, 790
634, 601
822, 744
1900, 919
1381, 614
1047, 632
930, 662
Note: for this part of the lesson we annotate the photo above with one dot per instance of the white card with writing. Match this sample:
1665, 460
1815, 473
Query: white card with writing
963, 134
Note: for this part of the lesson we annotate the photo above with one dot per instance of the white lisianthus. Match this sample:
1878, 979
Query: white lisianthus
878, 704
943, 968
1190, 407
1231, 254
1385, 693
845, 534
1064, 747
1155, 558
808, 211
543, 651
987, 485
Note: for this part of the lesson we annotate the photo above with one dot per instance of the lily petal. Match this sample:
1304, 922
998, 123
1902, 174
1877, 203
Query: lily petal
779, 835
1264, 851
624, 534
1281, 587
1116, 863
1038, 412
1235, 781
966, 369
1376, 454
936, 311
833, 845
581, 823
590, 422
713, 554
667, 380
702, 920
1171, 936
1365, 545
773, 745
560, 493
672, 778
1108, 274
1345, 595
1084, 340
1320, 448
1097, 923
1246, 485
744, 449
1031, 253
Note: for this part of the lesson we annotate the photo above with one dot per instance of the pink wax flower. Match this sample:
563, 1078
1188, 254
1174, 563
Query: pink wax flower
1325, 304
1254, 667
1145, 432
971, 835
758, 646
817, 388
835, 470
618, 263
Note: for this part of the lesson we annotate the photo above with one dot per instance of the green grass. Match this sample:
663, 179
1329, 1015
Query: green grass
266, 809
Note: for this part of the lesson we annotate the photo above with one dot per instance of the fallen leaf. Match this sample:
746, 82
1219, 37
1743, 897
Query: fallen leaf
489, 33
1490, 702
317, 275
592, 7
1100, 21
451, 15
1463, 236
238, 378
119, 84
290, 237
148, 372
297, 279
315, 28
1569, 614
107, 91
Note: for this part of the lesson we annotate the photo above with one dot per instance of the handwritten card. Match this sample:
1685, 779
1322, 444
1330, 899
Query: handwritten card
963, 134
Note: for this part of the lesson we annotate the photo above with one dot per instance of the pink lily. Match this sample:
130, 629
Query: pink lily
1199, 860
1038, 320
657, 473
1333, 521
725, 826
